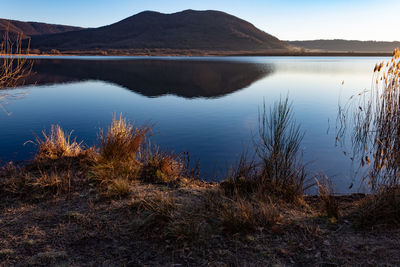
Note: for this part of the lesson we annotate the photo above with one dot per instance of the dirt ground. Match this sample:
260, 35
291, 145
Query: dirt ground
80, 229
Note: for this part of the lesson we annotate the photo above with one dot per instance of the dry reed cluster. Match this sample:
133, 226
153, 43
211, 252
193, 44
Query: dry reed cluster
373, 118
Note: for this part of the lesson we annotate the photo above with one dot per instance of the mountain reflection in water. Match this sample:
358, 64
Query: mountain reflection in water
153, 78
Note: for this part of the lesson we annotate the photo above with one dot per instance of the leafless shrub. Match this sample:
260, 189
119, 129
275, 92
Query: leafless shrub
14, 68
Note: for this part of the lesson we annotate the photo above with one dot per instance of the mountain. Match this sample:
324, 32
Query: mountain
153, 78
29, 29
339, 45
186, 30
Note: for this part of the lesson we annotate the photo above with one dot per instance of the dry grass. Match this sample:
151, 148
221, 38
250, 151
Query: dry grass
53, 182
107, 171
242, 215
119, 160
123, 141
161, 167
57, 144
178, 218
117, 188
18, 181
277, 170
379, 210
327, 196
160, 209
162, 225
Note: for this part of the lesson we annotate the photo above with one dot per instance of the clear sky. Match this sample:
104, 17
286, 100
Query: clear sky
285, 19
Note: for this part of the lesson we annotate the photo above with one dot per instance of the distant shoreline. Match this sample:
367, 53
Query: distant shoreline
213, 54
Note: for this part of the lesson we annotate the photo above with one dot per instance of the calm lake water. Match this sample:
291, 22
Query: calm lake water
205, 106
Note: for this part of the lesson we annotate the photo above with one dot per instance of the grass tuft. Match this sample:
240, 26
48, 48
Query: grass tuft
161, 167
119, 161
278, 149
380, 209
57, 144
326, 194
161, 209
105, 172
18, 181
277, 170
117, 188
123, 141
241, 214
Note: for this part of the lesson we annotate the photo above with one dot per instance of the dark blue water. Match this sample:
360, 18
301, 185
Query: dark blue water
205, 106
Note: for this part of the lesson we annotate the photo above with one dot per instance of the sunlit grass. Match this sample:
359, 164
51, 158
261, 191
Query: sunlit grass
57, 144
123, 141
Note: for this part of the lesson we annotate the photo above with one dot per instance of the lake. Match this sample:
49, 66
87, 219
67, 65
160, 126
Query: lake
205, 106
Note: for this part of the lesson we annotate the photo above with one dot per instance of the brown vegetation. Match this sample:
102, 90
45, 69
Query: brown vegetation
277, 171
57, 144
373, 120
327, 196
379, 210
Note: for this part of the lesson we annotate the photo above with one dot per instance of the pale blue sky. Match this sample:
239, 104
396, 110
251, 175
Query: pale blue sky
286, 19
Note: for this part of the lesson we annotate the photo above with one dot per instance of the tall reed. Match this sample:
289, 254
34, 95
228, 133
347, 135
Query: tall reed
375, 125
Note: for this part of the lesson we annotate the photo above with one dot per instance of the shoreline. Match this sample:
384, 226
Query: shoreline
211, 54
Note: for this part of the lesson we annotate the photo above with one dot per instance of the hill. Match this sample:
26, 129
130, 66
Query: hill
29, 29
194, 30
339, 45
